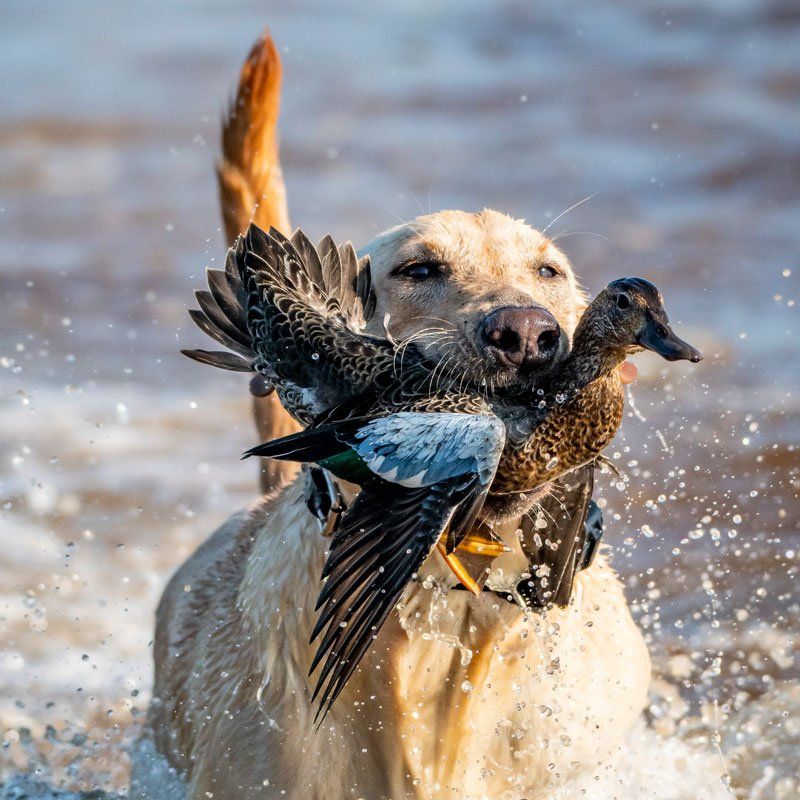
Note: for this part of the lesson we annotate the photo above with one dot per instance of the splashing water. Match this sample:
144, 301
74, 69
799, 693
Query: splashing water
118, 458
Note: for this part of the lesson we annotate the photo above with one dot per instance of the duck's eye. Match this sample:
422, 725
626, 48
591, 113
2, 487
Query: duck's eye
662, 331
547, 271
419, 270
623, 301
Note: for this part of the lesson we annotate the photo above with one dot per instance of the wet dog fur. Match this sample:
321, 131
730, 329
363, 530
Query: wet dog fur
460, 696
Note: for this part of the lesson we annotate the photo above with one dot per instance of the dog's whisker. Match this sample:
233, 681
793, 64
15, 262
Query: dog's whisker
400, 219
430, 189
452, 357
419, 205
579, 233
404, 343
566, 211
441, 364
452, 362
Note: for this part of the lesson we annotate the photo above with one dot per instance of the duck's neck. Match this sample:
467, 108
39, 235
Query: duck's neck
593, 355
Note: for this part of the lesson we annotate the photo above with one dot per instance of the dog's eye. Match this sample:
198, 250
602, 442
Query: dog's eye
419, 270
548, 271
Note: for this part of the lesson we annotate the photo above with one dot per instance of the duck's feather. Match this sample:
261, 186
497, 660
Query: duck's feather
312, 445
213, 312
296, 314
405, 449
420, 449
557, 547
219, 358
206, 324
382, 542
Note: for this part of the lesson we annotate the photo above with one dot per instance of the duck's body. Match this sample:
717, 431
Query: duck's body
307, 308
424, 455
591, 417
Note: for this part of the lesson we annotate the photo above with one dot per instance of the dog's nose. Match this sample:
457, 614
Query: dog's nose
521, 336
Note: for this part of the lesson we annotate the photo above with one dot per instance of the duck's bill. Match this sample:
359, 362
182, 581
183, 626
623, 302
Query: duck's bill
662, 340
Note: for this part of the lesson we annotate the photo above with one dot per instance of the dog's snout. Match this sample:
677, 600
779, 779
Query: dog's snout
521, 336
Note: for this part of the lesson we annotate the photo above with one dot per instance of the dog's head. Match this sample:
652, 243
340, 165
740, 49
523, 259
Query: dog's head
485, 296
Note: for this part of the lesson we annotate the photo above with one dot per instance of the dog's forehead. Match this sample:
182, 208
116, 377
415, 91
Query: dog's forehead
487, 238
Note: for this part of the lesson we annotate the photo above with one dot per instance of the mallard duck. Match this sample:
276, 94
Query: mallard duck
424, 456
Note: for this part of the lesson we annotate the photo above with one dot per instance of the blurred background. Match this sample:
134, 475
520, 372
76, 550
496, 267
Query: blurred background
118, 456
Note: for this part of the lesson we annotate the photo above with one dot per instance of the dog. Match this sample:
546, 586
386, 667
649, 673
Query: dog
460, 696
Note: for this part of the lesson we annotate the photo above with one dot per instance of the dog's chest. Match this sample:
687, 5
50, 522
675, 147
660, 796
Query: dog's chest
486, 703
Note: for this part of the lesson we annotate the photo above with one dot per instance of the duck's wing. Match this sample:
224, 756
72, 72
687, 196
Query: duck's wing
382, 541
435, 470
558, 546
405, 449
295, 313
420, 449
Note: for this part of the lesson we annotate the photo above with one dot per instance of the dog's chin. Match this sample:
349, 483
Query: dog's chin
526, 376
489, 375
513, 378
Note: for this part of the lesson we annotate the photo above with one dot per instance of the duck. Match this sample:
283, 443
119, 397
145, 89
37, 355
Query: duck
579, 409
423, 455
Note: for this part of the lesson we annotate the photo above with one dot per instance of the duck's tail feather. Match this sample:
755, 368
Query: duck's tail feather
312, 445
294, 313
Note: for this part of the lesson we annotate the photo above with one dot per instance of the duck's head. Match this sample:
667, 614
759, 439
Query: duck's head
636, 319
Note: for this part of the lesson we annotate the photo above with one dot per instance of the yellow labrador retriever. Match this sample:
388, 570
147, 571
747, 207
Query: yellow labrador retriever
461, 696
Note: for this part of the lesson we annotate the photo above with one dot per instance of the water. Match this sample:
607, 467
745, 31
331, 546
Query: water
117, 455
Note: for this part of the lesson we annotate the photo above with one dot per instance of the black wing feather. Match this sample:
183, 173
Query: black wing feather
311, 445
561, 543
215, 332
331, 266
466, 513
210, 308
308, 254
386, 537
230, 304
219, 358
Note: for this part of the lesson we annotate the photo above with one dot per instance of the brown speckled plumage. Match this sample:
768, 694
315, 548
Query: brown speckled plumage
572, 432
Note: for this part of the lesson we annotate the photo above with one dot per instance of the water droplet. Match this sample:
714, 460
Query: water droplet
123, 416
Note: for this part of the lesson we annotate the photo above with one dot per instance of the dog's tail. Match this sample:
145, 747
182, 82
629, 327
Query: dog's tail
251, 189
